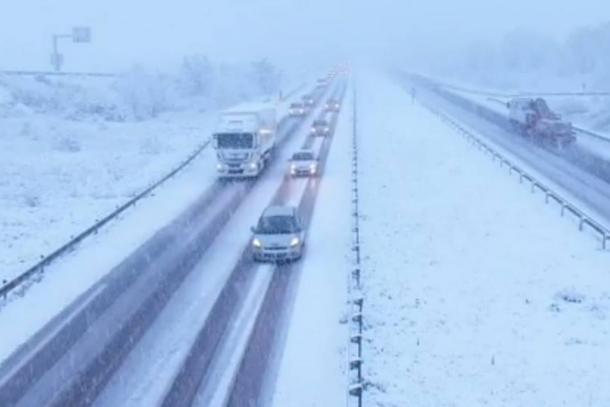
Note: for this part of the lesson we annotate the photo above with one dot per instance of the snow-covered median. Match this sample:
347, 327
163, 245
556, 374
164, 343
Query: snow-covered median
476, 293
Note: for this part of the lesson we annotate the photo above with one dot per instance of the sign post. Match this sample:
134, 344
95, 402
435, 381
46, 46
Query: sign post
79, 35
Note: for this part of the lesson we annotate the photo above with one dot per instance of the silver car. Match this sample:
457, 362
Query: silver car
320, 127
304, 163
279, 235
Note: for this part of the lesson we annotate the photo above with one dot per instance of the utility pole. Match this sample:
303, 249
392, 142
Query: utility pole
79, 34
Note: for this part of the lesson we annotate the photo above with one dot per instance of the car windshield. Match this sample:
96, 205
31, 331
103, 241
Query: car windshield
271, 225
296, 105
319, 123
235, 140
304, 156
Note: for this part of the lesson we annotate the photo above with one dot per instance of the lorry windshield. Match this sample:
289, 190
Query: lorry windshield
271, 225
235, 140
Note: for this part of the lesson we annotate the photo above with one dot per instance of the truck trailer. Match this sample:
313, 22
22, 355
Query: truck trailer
244, 140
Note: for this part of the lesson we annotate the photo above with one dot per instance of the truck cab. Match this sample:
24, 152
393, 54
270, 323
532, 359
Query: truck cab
244, 140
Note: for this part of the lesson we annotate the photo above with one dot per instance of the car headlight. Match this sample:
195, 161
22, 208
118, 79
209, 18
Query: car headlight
256, 243
253, 165
313, 168
220, 167
295, 242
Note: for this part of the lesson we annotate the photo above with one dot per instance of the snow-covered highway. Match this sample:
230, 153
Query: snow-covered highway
475, 291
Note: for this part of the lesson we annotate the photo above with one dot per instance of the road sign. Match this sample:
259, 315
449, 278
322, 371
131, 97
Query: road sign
81, 34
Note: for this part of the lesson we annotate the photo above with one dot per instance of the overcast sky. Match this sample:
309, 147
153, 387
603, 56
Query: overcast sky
158, 33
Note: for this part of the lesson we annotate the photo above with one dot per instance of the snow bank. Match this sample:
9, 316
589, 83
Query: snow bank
476, 293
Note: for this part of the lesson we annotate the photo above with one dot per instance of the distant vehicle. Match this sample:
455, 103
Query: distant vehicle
534, 118
244, 140
309, 101
320, 127
322, 82
298, 109
332, 105
279, 235
303, 163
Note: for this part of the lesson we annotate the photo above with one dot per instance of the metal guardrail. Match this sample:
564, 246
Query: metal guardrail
583, 218
39, 267
356, 382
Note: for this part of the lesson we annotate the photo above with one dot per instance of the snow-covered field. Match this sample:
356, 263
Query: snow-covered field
66, 163
58, 176
476, 293
77, 271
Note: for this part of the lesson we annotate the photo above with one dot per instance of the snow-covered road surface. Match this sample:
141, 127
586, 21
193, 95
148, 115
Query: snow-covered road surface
312, 369
476, 294
180, 322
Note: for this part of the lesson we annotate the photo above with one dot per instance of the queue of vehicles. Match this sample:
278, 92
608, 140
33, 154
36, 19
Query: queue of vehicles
244, 140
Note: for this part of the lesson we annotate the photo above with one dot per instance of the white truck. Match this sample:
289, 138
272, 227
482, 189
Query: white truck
245, 139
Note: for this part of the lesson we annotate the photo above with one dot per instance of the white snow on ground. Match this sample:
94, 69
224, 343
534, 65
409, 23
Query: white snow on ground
312, 370
74, 273
67, 161
475, 293
59, 176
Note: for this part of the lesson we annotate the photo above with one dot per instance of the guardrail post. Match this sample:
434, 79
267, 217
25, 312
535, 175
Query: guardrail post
355, 322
